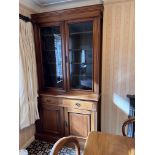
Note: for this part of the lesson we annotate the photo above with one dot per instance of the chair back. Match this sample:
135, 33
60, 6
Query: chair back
130, 133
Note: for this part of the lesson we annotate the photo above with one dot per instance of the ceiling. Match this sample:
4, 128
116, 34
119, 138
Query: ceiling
39, 6
51, 2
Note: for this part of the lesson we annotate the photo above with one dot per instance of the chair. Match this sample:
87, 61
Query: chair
99, 143
65, 140
128, 122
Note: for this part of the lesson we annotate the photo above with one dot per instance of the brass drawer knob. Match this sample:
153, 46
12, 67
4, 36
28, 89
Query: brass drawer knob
78, 104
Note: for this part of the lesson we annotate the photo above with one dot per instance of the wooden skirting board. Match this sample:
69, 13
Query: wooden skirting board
28, 143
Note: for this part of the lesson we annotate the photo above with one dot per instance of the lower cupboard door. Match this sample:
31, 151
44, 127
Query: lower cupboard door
52, 120
78, 124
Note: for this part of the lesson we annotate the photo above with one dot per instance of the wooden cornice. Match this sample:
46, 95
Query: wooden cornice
69, 14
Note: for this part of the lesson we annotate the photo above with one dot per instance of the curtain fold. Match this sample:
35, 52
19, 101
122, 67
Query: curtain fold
27, 76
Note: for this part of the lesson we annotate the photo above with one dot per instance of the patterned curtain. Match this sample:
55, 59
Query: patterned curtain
28, 110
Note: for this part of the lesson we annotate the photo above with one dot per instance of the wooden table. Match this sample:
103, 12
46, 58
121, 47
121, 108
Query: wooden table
106, 144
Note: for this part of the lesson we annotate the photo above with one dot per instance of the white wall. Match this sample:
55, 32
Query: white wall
30, 5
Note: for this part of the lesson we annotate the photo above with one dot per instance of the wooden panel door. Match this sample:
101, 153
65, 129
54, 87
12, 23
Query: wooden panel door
78, 122
52, 120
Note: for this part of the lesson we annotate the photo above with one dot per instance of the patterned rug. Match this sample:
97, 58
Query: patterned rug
43, 148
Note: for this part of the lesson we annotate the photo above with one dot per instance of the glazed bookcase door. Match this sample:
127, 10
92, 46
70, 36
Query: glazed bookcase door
52, 56
80, 55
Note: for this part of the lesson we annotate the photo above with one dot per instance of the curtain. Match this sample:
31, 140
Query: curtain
28, 110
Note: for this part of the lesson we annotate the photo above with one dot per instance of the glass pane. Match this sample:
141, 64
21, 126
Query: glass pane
80, 53
52, 56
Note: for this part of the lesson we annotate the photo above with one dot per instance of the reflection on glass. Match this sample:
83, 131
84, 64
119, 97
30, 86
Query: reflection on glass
52, 56
80, 52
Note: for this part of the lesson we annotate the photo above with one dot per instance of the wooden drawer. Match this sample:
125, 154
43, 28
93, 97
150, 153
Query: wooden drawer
83, 105
50, 100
